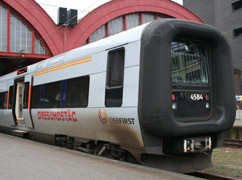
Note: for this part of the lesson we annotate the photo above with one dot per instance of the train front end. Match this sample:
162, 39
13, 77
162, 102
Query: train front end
186, 99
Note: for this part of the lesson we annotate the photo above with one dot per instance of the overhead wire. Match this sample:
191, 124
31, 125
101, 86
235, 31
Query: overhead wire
51, 5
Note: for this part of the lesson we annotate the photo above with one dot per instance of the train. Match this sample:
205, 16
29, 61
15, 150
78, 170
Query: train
160, 95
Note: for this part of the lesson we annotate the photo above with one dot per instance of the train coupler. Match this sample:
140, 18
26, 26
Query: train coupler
176, 146
197, 144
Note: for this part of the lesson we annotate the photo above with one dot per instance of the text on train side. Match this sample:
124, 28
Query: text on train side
57, 115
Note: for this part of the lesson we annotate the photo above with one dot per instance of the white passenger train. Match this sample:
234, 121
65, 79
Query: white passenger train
160, 94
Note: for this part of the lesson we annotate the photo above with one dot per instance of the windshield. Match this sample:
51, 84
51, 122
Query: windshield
189, 64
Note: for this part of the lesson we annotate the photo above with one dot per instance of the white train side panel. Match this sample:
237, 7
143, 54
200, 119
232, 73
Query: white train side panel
88, 121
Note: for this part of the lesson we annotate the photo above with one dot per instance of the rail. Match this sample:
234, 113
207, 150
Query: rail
234, 143
210, 176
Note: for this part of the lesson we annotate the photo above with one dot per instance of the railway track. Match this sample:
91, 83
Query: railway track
234, 143
211, 176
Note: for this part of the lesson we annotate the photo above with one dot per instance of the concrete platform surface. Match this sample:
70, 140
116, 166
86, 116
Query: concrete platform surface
22, 159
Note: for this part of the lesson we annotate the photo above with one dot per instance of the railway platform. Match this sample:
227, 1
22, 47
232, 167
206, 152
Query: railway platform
238, 123
22, 159
236, 131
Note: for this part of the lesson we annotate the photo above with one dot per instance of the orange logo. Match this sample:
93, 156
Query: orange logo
103, 117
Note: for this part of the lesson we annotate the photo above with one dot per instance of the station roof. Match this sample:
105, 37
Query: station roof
59, 39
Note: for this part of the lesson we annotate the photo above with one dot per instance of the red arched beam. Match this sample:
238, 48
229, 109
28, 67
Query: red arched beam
53, 35
116, 8
32, 13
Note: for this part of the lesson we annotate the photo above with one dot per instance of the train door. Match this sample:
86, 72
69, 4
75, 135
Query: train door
27, 99
21, 108
19, 103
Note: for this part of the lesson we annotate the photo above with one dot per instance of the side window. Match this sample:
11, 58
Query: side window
115, 75
10, 100
35, 100
52, 98
3, 100
67, 93
26, 95
77, 92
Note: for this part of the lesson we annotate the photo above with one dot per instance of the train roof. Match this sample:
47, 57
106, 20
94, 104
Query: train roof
119, 39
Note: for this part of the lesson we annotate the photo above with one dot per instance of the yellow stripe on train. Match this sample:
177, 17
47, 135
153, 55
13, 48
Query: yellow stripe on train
62, 66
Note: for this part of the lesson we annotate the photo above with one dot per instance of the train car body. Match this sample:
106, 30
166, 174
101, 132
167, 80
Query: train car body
160, 94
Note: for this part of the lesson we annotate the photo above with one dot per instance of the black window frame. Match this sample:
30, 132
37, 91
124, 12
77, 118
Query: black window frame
35, 97
237, 5
10, 98
83, 100
3, 100
53, 100
114, 92
26, 95
39, 99
237, 32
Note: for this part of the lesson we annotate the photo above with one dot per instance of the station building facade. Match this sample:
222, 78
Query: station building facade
29, 35
227, 17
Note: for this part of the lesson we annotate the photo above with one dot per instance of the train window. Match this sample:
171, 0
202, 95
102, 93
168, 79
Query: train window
115, 68
3, 100
26, 95
77, 92
52, 98
35, 100
238, 32
189, 63
115, 75
237, 5
10, 100
5, 94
